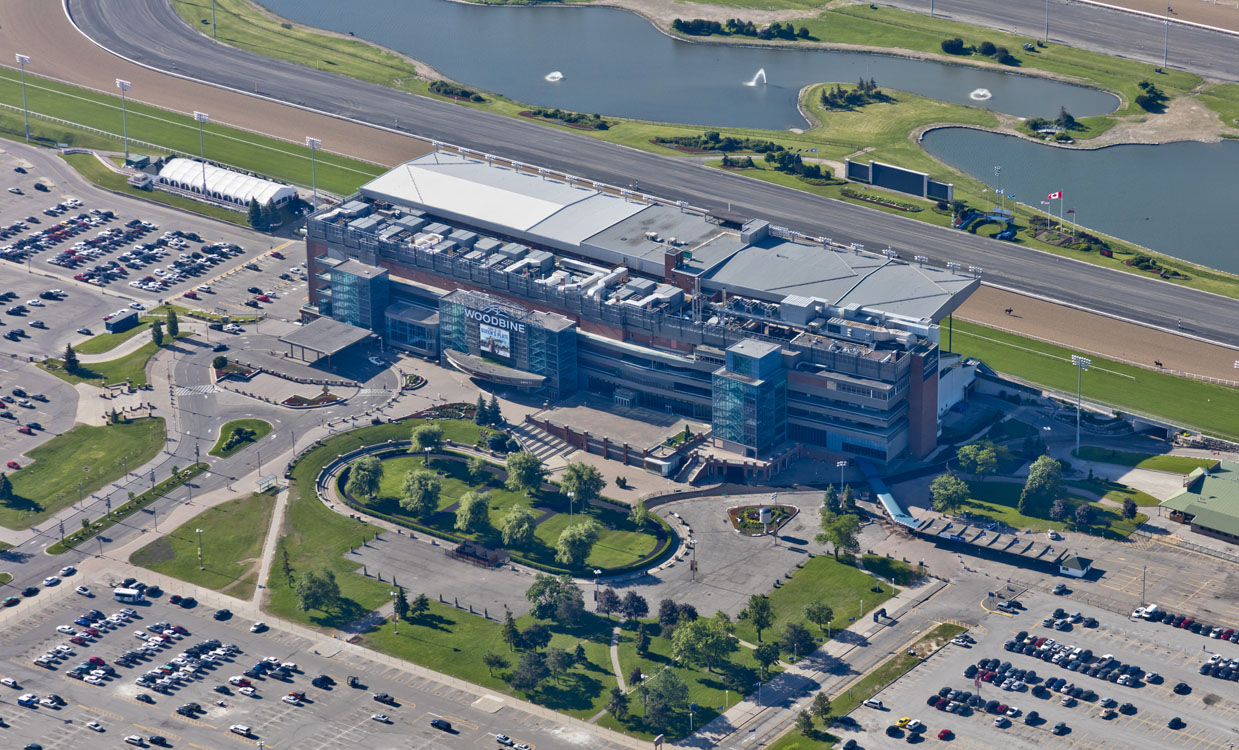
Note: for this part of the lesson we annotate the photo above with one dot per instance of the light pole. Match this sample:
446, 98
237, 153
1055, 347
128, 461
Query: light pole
571, 494
24, 60
1082, 364
314, 144
842, 465
693, 565
212, 19
124, 85
202, 118
597, 573
1166, 39
1047, 21
998, 179
395, 616
200, 565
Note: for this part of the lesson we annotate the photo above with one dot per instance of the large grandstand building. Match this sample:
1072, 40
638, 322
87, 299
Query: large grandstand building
555, 286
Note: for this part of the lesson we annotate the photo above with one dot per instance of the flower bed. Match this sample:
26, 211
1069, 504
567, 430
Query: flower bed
235, 371
321, 399
746, 518
413, 382
879, 200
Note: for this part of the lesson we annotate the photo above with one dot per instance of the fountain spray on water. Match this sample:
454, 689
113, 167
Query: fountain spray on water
759, 78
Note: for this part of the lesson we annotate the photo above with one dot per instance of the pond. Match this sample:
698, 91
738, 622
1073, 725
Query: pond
1172, 197
612, 62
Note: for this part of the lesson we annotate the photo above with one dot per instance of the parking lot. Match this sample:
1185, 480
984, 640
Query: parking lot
1208, 707
331, 716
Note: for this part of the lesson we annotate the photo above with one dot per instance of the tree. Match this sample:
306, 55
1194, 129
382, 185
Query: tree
1044, 484
285, 566
318, 589
608, 601
643, 639
821, 706
420, 493
71, 363
760, 613
765, 655
819, 613
525, 472
830, 500
724, 621
364, 477
668, 613
848, 502
804, 723
529, 673
479, 412
702, 641
1129, 509
665, 694
585, 483
1065, 119
1083, 515
685, 612
517, 527
401, 605
617, 703
493, 414
478, 469
219, 362
418, 607
635, 676
511, 633
493, 661
536, 636
174, 325
842, 531
6, 489
978, 458
568, 610
558, 661
270, 215
1058, 509
157, 333
575, 542
797, 640
255, 215
472, 512
948, 492
578, 654
639, 515
634, 607
425, 436
546, 592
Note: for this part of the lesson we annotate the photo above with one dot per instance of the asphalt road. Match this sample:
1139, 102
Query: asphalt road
1208, 53
168, 44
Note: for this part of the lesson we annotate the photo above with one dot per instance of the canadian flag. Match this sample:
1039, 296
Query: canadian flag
1055, 195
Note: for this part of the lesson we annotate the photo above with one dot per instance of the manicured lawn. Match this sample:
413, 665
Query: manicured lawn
1223, 99
131, 367
999, 501
261, 428
176, 131
1115, 491
1213, 409
93, 456
1155, 462
106, 342
90, 168
232, 538
842, 586
706, 689
618, 545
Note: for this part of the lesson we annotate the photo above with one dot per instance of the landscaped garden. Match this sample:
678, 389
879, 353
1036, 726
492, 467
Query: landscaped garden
232, 538
747, 518
239, 434
999, 501
74, 464
620, 542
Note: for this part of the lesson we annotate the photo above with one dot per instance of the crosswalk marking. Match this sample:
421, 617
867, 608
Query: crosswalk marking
197, 390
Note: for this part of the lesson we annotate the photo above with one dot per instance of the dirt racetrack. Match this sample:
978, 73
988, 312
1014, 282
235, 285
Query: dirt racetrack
1089, 333
1223, 14
40, 29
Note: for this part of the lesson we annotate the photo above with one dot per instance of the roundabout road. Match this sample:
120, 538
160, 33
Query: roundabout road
166, 43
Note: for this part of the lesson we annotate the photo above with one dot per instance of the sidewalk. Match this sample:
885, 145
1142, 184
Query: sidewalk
777, 700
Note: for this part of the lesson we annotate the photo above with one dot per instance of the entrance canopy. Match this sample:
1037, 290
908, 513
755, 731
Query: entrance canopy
492, 372
324, 337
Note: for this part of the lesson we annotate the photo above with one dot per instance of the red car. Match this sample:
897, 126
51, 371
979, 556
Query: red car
190, 295
93, 632
945, 734
78, 640
97, 661
25, 431
13, 465
263, 298
180, 630
10, 601
277, 254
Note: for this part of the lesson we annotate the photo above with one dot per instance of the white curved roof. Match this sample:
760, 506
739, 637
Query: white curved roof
231, 186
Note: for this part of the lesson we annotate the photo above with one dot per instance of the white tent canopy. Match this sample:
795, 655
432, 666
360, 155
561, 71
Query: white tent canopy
224, 184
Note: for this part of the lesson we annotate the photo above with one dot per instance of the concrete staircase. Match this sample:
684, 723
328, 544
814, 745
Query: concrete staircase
539, 442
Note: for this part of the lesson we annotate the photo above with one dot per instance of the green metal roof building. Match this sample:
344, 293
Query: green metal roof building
1209, 502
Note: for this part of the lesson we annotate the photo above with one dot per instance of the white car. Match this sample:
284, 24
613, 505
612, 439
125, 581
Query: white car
137, 305
83, 591
9, 681
48, 702
51, 581
68, 570
382, 718
258, 627
66, 630
205, 288
376, 361
34, 303
141, 635
93, 680
291, 666
251, 692
291, 700
95, 726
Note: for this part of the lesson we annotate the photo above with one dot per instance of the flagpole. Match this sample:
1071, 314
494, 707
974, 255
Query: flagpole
1060, 213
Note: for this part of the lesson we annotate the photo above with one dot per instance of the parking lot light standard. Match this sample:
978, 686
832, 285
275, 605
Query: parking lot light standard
200, 565
1081, 363
395, 616
124, 85
314, 145
24, 60
202, 118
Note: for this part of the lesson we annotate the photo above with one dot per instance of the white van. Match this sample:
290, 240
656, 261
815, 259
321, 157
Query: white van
129, 596
240, 729
1149, 611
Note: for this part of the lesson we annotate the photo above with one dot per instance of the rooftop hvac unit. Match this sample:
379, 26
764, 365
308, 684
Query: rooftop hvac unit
652, 236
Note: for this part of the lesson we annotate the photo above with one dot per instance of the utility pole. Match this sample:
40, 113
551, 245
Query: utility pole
314, 144
212, 19
1047, 21
24, 60
202, 118
124, 115
1166, 39
1082, 364
200, 565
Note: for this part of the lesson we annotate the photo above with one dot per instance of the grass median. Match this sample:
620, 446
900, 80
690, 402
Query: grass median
1212, 409
260, 428
75, 464
232, 534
